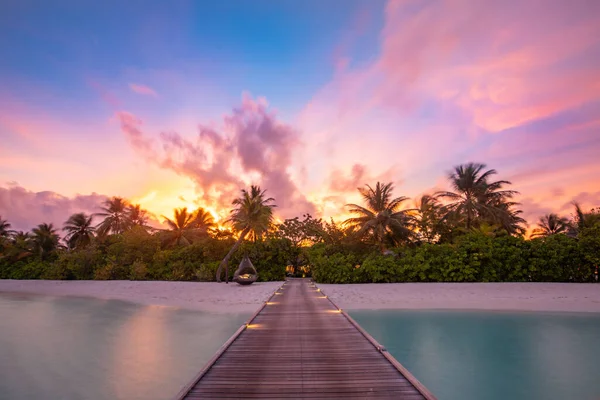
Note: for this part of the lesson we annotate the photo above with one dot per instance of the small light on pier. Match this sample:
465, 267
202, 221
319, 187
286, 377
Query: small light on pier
334, 311
271, 303
253, 326
322, 297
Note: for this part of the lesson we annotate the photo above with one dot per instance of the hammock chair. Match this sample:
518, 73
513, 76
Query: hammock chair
246, 273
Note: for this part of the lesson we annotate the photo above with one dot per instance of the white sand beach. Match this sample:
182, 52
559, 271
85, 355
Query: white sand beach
215, 297
567, 297
202, 296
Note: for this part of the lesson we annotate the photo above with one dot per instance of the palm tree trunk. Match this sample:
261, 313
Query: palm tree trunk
225, 262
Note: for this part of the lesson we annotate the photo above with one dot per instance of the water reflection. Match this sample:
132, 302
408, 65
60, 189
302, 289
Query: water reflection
483, 355
73, 348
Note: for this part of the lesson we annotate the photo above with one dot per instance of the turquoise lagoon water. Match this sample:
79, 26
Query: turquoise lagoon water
494, 355
79, 348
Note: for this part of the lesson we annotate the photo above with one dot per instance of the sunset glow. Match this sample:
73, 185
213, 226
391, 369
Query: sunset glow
182, 105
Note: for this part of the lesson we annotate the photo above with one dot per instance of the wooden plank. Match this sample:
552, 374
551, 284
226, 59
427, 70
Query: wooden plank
299, 344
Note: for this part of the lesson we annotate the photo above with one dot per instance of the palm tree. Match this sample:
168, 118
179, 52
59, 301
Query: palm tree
80, 231
22, 246
428, 216
5, 231
475, 198
203, 220
252, 214
509, 218
583, 220
115, 216
45, 240
551, 224
181, 227
137, 216
382, 217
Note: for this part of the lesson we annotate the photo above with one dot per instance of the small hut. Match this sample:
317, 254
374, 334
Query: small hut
246, 273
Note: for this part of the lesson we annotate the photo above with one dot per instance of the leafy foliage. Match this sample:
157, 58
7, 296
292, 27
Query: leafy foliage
475, 237
474, 258
475, 199
80, 231
381, 218
115, 216
551, 224
252, 215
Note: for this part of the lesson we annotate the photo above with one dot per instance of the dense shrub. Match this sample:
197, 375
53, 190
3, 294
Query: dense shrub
472, 258
269, 257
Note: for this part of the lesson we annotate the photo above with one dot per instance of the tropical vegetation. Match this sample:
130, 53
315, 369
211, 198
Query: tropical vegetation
473, 232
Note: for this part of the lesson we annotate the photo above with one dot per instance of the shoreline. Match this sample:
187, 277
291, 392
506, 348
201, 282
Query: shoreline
508, 296
196, 296
233, 298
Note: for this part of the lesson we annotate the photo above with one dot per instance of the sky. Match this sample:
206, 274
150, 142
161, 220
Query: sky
184, 103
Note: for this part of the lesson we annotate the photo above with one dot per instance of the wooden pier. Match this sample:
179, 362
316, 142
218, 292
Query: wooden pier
299, 345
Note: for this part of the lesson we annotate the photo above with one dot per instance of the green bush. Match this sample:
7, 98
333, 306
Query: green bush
34, 268
207, 271
474, 257
80, 264
139, 271
269, 257
112, 270
558, 258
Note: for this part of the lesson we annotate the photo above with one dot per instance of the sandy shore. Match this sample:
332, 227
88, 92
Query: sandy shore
214, 297
202, 296
569, 297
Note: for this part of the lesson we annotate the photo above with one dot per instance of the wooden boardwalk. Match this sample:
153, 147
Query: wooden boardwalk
300, 345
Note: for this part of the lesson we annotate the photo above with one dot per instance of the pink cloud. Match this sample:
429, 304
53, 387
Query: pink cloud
504, 63
131, 127
249, 145
142, 89
25, 209
450, 72
105, 94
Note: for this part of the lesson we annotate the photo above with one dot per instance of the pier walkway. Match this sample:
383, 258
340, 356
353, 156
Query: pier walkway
300, 345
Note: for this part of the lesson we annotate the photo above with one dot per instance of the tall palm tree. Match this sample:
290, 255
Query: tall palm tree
475, 198
252, 214
551, 224
45, 239
203, 220
181, 227
137, 216
80, 231
115, 214
382, 217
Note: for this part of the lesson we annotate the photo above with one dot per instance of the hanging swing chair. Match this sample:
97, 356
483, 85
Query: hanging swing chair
246, 273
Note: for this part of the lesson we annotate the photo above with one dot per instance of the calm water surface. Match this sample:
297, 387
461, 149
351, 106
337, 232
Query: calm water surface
76, 348
493, 356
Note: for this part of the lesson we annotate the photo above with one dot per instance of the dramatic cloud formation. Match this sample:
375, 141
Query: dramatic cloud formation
397, 91
512, 84
142, 89
25, 209
249, 146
